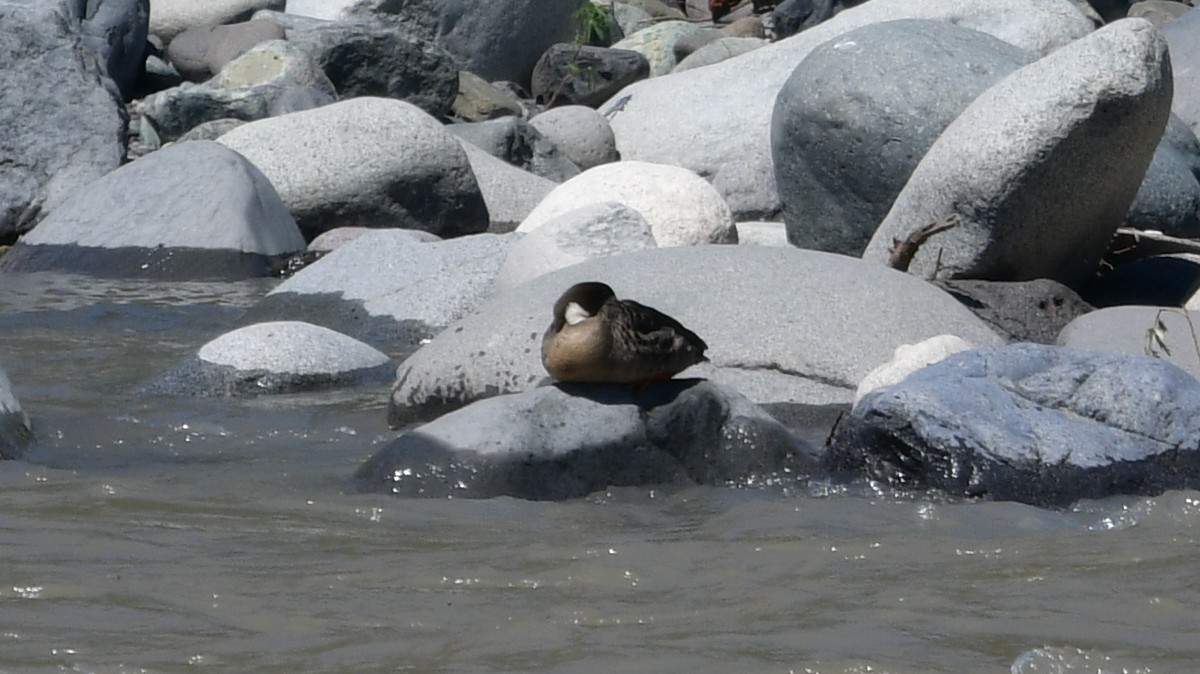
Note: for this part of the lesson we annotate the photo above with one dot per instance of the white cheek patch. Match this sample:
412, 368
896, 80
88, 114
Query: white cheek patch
575, 313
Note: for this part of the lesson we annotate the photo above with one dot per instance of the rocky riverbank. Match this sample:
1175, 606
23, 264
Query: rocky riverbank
809, 192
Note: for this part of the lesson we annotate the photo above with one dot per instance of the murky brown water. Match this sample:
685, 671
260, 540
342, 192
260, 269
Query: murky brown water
169, 535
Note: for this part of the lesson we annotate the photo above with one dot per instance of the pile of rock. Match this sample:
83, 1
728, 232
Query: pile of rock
454, 171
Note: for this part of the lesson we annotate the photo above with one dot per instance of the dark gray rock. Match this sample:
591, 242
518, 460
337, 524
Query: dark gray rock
199, 53
388, 289
1042, 425
270, 79
374, 58
1168, 200
15, 432
569, 74
191, 211
566, 441
893, 87
792, 16
519, 143
1041, 169
116, 31
272, 358
1022, 311
50, 80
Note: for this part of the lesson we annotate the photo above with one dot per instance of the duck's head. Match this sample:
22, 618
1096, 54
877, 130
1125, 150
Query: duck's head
579, 303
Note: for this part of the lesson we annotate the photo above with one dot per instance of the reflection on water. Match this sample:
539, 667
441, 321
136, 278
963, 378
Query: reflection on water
156, 534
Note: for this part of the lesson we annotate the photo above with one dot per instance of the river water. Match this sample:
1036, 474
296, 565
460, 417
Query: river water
172, 534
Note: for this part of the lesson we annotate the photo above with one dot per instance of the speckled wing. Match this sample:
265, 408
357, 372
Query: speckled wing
655, 336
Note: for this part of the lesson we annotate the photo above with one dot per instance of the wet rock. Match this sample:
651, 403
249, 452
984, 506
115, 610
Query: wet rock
1038, 424
1042, 167
894, 86
676, 119
270, 79
88, 137
1166, 333
720, 50
388, 165
657, 43
590, 231
681, 207
1021, 311
387, 289
566, 441
15, 431
516, 142
581, 133
509, 193
569, 74
479, 100
201, 52
825, 322
192, 211
116, 30
169, 18
272, 358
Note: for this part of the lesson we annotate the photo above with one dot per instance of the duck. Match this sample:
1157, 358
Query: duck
597, 338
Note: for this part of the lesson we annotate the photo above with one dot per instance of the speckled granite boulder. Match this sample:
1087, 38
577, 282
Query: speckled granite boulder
589, 231
192, 211
676, 119
50, 76
657, 43
389, 164
15, 431
388, 290
277, 357
1042, 425
566, 441
681, 207
1042, 167
509, 193
825, 322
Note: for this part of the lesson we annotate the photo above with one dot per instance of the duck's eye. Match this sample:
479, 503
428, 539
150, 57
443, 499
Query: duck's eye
575, 313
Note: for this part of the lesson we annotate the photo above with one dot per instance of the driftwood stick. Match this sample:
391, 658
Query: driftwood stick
904, 250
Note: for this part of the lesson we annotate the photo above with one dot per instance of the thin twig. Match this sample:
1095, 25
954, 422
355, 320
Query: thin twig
904, 250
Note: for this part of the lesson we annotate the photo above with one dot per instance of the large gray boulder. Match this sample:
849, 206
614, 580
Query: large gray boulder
1042, 168
169, 18
270, 79
1168, 200
199, 53
1182, 35
15, 431
370, 162
387, 289
892, 86
519, 143
50, 80
272, 358
677, 119
566, 441
195, 210
1038, 424
581, 133
782, 324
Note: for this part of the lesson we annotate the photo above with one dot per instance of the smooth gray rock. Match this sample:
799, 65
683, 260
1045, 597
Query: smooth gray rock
792, 16
893, 86
372, 58
1127, 330
782, 324
201, 52
336, 238
270, 79
510, 193
1183, 36
50, 80
517, 142
272, 358
719, 50
566, 441
1159, 12
371, 162
387, 289
569, 74
116, 31
677, 119
1042, 167
581, 133
169, 18
657, 43
1168, 200
762, 234
194, 210
15, 431
479, 100
595, 230
1041, 425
